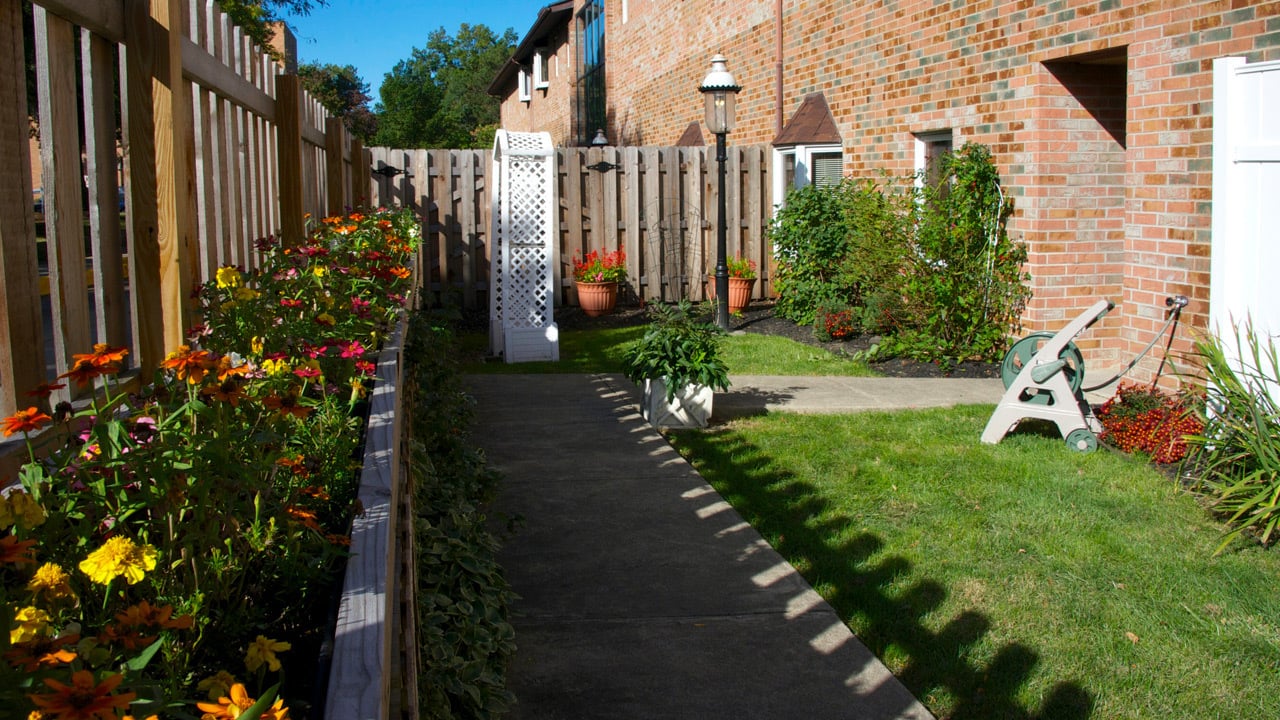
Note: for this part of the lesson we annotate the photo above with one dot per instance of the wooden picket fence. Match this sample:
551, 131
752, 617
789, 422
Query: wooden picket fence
659, 204
207, 143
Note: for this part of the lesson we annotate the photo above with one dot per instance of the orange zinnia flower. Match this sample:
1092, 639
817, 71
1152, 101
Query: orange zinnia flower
236, 702
25, 421
41, 652
401, 272
189, 364
286, 405
105, 355
17, 552
44, 390
83, 699
83, 371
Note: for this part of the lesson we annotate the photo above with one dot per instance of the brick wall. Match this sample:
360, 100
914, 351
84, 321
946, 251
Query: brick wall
1098, 114
549, 109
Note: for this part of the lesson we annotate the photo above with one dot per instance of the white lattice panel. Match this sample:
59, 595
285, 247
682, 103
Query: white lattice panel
521, 304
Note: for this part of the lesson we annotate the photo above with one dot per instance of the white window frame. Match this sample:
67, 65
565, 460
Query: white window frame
804, 167
922, 142
541, 69
524, 85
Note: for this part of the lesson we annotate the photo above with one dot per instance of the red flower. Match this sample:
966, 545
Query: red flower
45, 390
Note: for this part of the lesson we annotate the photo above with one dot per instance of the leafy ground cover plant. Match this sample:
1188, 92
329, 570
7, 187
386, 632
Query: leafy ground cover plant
1236, 460
1140, 418
183, 541
466, 641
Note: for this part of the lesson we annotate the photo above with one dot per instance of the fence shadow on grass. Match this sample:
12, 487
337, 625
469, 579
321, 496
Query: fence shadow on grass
857, 580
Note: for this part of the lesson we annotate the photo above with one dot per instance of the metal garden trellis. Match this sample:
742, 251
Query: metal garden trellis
522, 294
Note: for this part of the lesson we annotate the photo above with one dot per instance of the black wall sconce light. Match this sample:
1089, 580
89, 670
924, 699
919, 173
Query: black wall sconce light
388, 172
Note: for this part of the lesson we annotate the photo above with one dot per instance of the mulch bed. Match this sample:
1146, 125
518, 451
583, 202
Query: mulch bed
759, 318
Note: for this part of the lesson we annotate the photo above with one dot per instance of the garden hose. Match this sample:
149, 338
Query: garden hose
1175, 303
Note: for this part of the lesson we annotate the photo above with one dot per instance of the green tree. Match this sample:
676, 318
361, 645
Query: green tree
343, 93
436, 97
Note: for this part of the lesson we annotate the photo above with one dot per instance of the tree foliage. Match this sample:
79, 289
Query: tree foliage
343, 93
255, 16
437, 98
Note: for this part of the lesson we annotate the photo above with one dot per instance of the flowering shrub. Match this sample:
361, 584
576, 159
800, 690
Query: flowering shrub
601, 267
175, 542
835, 323
1140, 418
741, 268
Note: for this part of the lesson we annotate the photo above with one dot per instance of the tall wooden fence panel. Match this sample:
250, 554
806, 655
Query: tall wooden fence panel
167, 145
658, 204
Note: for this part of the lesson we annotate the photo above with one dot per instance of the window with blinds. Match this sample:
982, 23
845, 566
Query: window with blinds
797, 166
827, 168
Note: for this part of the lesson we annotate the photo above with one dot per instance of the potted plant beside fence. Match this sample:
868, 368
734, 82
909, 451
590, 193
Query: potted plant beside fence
678, 363
742, 280
596, 278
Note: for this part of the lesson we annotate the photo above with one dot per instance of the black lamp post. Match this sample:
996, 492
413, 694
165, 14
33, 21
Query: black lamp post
720, 92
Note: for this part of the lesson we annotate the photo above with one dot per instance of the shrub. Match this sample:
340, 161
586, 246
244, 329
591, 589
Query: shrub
1237, 457
1140, 418
811, 242
964, 274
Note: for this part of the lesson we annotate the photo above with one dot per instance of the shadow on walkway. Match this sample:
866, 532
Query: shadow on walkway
644, 594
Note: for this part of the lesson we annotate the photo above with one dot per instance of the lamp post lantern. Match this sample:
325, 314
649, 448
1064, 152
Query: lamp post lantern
719, 93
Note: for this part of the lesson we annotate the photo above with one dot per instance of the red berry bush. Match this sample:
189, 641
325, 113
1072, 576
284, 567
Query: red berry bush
1140, 418
835, 323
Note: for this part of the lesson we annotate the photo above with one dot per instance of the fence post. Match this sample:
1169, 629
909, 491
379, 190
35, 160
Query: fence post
160, 226
21, 329
333, 164
289, 154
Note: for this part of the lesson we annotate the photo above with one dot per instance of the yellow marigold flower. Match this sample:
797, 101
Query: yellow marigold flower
319, 271
325, 319
22, 510
215, 686
52, 582
255, 345
263, 651
244, 294
275, 367
119, 556
31, 623
228, 277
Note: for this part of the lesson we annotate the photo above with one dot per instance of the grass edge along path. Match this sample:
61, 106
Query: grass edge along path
1020, 580
600, 351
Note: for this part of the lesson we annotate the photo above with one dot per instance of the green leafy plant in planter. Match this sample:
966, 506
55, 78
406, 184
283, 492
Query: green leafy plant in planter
679, 350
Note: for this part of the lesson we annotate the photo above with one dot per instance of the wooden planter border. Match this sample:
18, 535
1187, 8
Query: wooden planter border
374, 650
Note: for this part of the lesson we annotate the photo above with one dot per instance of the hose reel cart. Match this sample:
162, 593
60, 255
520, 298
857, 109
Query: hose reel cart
1043, 374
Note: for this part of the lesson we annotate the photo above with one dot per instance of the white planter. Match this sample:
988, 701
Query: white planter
690, 408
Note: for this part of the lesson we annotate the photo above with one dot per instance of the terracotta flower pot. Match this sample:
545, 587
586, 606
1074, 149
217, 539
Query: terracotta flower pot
597, 298
739, 292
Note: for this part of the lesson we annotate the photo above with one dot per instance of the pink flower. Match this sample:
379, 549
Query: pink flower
365, 367
353, 349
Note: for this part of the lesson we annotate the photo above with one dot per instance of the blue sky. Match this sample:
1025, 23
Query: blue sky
374, 35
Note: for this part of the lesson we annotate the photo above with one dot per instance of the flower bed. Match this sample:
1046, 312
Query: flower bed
175, 550
1140, 418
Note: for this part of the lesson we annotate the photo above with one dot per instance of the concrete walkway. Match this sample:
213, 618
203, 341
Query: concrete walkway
644, 594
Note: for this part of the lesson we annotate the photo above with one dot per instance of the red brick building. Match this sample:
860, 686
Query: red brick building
1099, 115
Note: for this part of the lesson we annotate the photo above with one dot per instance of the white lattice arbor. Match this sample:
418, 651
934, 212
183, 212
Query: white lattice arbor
524, 250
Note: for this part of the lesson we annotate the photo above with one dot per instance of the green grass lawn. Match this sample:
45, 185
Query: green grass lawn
600, 351
1021, 580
